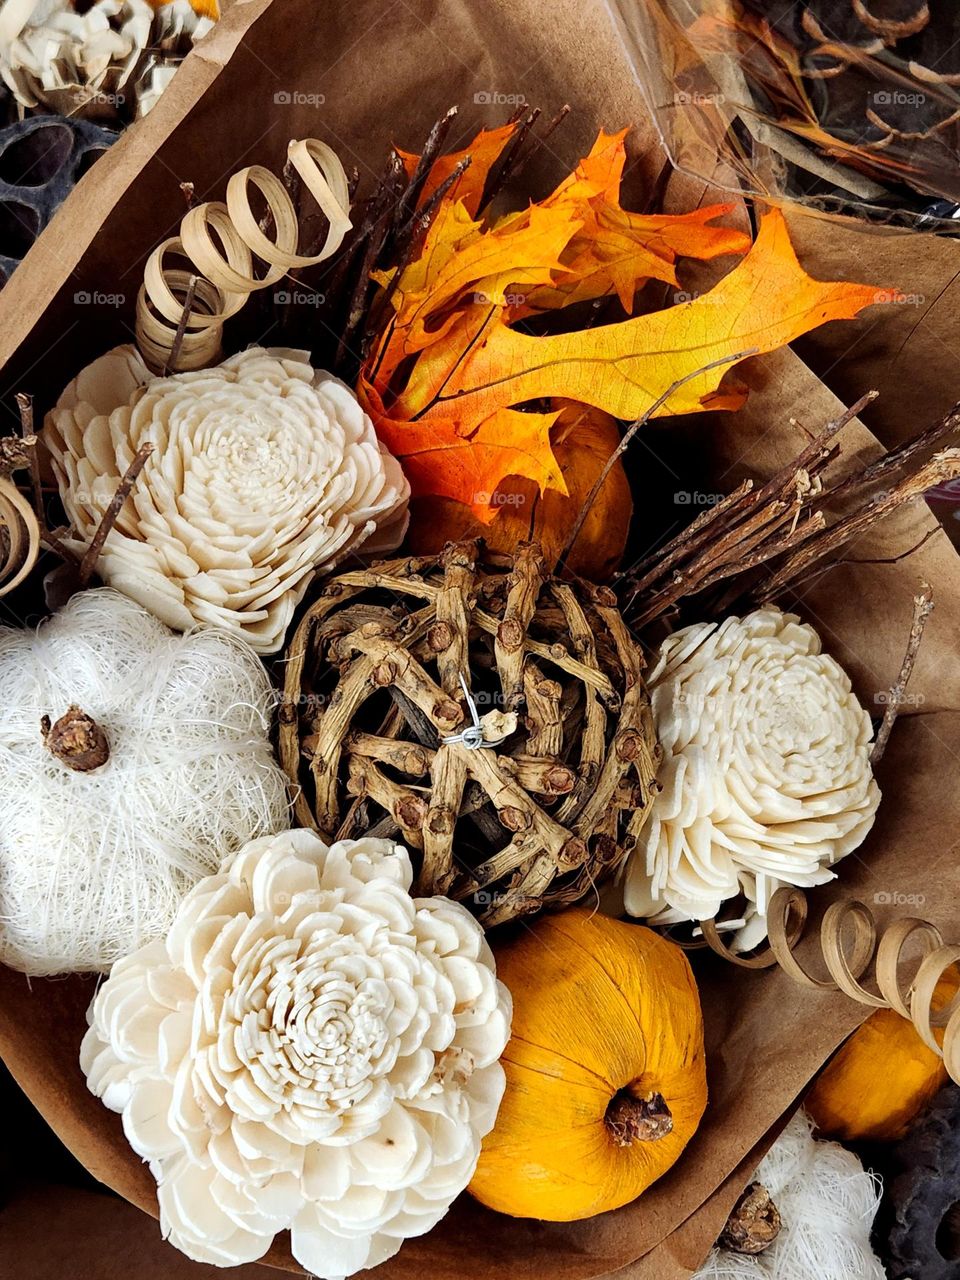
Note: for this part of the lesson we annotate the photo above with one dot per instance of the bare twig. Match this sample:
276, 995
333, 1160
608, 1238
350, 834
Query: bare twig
942, 466
29, 438
428, 157
109, 518
628, 435
922, 608
171, 362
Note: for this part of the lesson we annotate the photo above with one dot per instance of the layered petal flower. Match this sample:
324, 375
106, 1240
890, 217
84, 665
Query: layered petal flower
263, 472
309, 1049
765, 778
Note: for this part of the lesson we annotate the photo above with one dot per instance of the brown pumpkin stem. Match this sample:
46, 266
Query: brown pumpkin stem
754, 1223
631, 1119
76, 740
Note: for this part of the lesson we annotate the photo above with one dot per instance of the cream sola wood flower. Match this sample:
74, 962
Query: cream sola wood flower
263, 471
310, 1048
766, 776
109, 60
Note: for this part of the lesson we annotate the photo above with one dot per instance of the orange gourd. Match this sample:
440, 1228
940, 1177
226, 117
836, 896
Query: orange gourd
881, 1078
582, 439
606, 1079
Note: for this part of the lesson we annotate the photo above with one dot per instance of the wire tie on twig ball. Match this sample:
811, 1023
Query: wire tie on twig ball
472, 737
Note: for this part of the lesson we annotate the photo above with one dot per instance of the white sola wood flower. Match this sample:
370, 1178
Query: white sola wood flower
766, 776
263, 471
310, 1048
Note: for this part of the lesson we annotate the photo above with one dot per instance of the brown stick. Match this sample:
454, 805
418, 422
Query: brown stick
922, 608
941, 467
29, 438
109, 517
170, 365
628, 435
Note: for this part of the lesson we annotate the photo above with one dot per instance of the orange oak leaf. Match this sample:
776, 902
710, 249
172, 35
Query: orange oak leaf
438, 459
615, 251
461, 264
765, 302
467, 401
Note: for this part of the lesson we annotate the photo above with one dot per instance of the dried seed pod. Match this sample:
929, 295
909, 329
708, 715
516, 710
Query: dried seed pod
42, 158
500, 724
754, 1222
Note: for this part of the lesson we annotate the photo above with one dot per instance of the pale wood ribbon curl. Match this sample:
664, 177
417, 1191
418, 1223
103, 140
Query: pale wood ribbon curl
19, 536
850, 943
221, 240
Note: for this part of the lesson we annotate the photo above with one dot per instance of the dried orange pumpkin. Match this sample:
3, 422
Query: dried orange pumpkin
606, 1078
582, 439
881, 1078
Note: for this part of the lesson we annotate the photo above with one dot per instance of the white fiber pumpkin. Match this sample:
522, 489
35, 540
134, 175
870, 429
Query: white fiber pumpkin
132, 760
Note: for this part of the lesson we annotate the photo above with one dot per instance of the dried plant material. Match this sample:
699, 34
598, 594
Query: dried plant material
133, 760
581, 440
352, 1115
76, 740
375, 708
19, 536
108, 62
851, 1102
606, 1073
826, 1202
920, 1235
262, 472
851, 100
42, 158
754, 1222
446, 379
180, 313
765, 778
757, 543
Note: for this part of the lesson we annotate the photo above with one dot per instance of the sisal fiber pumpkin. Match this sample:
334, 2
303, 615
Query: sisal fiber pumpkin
606, 1078
881, 1079
489, 716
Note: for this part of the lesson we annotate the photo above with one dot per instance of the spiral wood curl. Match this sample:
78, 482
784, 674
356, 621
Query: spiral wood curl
221, 240
850, 943
19, 536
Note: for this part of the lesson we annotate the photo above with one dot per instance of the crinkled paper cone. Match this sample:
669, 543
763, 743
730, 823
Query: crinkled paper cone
387, 72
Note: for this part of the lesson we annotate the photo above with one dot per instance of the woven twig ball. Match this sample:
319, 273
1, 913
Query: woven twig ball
538, 805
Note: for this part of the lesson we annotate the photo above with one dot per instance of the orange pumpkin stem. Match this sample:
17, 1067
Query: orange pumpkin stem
76, 740
631, 1119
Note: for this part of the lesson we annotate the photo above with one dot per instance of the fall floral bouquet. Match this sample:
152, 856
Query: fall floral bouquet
427, 803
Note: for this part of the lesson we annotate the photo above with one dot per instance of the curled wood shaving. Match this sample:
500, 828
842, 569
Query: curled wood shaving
851, 944
19, 536
222, 241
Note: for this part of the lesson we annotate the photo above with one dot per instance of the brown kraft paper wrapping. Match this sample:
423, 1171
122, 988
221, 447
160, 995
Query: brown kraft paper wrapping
361, 75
